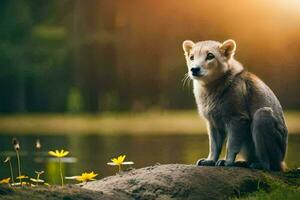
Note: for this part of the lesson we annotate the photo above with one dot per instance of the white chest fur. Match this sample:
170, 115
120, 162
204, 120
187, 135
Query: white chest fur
204, 103
197, 93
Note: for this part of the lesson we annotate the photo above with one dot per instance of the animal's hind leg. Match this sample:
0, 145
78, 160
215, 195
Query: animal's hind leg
248, 153
269, 139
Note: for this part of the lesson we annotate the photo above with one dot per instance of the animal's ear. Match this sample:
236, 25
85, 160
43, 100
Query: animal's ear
187, 45
228, 48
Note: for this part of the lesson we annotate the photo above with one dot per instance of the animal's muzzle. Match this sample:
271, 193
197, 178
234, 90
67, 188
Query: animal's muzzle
196, 71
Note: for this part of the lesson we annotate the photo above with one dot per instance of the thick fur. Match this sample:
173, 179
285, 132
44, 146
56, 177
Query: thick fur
238, 106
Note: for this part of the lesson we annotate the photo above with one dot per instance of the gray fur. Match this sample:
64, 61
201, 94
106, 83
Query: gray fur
243, 109
238, 106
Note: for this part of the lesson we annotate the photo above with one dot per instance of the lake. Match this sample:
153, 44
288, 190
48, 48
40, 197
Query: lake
91, 152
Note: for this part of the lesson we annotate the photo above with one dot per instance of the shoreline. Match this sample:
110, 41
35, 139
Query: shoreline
146, 123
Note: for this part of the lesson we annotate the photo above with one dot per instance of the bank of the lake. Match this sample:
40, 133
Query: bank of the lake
154, 122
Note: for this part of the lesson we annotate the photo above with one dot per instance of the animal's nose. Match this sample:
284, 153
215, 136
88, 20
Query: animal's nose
195, 70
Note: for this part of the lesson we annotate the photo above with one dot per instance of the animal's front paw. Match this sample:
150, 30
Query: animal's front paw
220, 163
224, 163
205, 162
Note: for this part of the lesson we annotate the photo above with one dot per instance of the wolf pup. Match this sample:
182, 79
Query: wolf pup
236, 105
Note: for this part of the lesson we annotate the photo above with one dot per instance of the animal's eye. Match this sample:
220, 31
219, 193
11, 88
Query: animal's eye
192, 57
210, 56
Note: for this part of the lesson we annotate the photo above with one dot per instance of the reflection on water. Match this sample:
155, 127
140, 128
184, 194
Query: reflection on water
92, 152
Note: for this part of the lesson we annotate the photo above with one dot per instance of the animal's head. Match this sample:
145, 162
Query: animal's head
208, 60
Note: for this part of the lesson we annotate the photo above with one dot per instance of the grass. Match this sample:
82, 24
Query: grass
280, 186
278, 191
154, 122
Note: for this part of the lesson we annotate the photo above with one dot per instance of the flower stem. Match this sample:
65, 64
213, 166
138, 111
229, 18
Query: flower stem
120, 168
61, 174
37, 178
11, 172
19, 165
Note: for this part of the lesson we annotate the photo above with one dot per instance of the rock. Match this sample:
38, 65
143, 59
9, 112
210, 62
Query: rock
162, 182
179, 181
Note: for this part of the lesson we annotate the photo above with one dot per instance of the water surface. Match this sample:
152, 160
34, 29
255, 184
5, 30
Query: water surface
92, 152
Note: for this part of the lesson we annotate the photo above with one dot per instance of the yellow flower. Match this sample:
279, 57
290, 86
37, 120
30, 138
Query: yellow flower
120, 161
21, 177
85, 177
5, 181
59, 154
